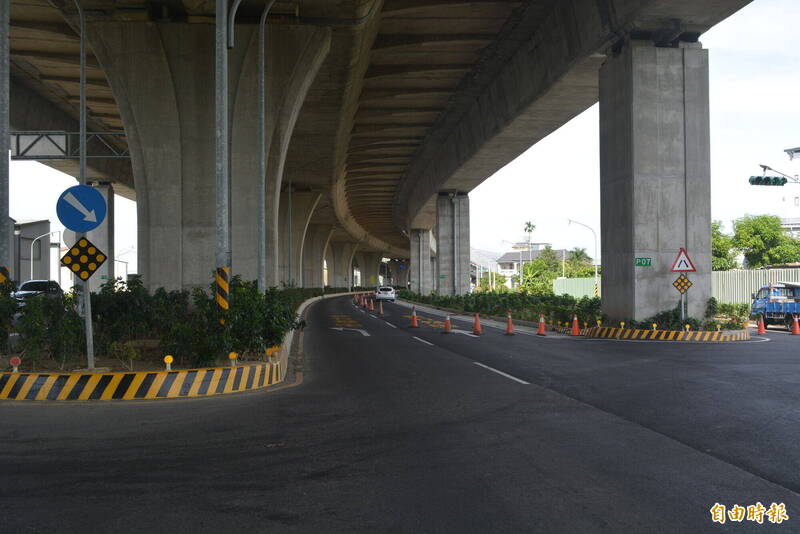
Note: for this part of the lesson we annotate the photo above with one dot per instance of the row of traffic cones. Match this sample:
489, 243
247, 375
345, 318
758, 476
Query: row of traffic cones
762, 329
368, 304
477, 330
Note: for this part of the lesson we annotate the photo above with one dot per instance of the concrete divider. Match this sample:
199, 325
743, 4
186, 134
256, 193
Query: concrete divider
696, 336
139, 385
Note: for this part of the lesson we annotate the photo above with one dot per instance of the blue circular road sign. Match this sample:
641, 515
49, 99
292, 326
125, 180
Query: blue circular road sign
81, 208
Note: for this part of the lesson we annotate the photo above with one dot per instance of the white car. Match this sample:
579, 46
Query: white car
385, 293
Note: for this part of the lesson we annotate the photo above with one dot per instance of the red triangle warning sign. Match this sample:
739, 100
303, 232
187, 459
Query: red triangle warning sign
683, 264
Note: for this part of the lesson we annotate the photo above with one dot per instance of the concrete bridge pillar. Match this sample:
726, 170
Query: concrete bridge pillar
421, 271
399, 272
291, 254
369, 263
452, 238
342, 253
314, 248
655, 177
162, 77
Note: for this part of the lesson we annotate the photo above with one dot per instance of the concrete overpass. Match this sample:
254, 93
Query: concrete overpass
382, 116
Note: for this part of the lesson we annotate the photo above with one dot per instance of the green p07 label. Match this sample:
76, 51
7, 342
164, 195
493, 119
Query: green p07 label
644, 262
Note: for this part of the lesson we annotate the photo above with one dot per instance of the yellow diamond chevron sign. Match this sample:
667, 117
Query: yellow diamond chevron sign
83, 259
682, 284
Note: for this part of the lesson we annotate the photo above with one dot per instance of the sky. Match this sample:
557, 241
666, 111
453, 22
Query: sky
755, 115
754, 78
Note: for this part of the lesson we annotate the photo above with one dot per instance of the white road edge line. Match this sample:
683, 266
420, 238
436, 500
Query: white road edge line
390, 324
501, 373
372, 316
426, 342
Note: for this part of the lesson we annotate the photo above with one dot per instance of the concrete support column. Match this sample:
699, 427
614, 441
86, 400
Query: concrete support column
369, 263
302, 208
162, 76
103, 239
342, 252
655, 177
452, 238
399, 270
421, 266
316, 244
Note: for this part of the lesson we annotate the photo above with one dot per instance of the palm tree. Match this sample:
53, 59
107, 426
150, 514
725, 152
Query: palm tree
529, 228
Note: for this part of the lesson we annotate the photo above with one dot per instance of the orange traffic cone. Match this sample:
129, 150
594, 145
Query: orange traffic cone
476, 326
761, 328
448, 326
509, 325
542, 330
364, 302
576, 330
414, 323
795, 327
380, 308
371, 304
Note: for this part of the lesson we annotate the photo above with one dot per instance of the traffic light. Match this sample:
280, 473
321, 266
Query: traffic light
768, 180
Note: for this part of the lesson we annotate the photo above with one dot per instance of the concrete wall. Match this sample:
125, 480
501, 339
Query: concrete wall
655, 177
342, 252
292, 237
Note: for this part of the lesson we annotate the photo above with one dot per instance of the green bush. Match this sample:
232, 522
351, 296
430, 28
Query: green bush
522, 305
49, 326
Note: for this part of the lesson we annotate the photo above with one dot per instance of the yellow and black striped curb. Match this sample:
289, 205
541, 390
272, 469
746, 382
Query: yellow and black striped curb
138, 385
697, 336
567, 330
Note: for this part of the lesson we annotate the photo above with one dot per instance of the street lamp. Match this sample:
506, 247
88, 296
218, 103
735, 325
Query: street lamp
595, 247
37, 239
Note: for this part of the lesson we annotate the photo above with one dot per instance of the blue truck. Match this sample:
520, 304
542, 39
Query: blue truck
778, 303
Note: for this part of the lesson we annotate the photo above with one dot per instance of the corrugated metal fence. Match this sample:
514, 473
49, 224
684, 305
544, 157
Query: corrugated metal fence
727, 286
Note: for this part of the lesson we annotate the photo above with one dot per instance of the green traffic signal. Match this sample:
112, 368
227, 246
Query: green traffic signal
768, 180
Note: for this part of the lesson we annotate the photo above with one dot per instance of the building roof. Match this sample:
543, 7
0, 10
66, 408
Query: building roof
514, 256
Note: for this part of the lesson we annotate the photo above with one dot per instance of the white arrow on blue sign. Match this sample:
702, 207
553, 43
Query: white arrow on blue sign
81, 208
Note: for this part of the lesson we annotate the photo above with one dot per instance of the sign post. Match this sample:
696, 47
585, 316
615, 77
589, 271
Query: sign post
81, 209
683, 264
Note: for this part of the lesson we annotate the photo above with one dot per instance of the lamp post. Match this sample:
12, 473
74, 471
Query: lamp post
37, 239
594, 260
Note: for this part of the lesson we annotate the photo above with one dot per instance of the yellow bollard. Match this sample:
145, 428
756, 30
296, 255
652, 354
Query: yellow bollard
655, 327
599, 323
687, 327
719, 327
168, 359
622, 324
232, 357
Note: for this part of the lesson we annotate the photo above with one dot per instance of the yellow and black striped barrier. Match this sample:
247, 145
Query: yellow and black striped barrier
222, 278
138, 385
697, 336
5, 276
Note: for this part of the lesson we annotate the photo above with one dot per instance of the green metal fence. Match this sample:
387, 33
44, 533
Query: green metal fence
727, 286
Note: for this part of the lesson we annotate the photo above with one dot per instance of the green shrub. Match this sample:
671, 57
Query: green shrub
49, 326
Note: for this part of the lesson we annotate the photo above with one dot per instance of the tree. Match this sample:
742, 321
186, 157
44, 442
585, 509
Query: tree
499, 280
764, 242
579, 264
539, 274
722, 255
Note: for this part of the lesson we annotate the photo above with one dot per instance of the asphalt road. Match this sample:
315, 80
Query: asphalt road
407, 430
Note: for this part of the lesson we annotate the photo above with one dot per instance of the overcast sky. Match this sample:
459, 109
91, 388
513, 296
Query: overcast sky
755, 115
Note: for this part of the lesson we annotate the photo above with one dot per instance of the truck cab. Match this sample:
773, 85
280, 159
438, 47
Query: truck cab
777, 303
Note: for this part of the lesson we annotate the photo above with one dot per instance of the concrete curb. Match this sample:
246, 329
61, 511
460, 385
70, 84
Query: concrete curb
144, 385
697, 336
187, 383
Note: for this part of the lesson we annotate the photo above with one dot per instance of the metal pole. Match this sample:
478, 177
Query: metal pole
86, 293
5, 88
223, 249
262, 151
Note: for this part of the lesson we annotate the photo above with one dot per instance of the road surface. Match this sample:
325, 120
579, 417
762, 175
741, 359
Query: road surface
412, 430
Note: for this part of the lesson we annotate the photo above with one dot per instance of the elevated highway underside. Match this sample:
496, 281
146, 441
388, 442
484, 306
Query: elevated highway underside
382, 116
